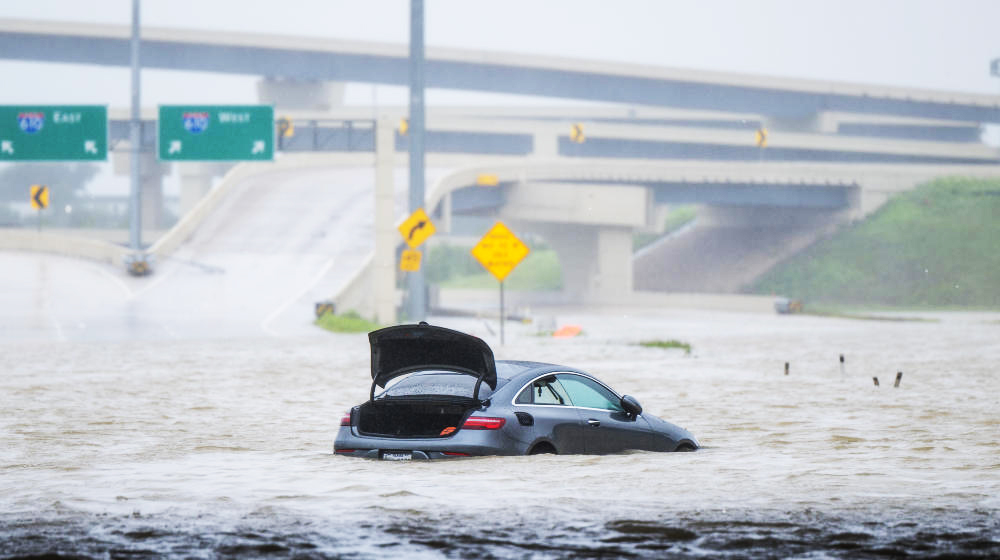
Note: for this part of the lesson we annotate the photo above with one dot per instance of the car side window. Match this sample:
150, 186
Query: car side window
588, 393
547, 390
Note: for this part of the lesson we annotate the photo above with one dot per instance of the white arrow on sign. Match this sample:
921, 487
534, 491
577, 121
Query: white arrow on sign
90, 146
175, 147
258, 147
6, 147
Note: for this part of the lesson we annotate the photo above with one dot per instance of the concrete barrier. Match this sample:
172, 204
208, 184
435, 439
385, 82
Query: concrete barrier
66, 245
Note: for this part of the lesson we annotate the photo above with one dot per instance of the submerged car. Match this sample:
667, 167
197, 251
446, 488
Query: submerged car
445, 396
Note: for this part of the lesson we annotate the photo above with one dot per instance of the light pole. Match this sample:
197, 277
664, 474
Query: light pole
417, 300
135, 262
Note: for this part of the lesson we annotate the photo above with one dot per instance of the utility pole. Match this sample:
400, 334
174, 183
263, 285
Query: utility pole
417, 284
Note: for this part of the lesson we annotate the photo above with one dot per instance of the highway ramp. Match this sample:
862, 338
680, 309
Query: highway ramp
278, 243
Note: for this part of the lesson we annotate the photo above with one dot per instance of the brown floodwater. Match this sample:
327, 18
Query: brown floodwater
222, 447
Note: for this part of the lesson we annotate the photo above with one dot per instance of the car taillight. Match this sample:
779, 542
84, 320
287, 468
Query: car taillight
454, 454
483, 423
346, 420
344, 450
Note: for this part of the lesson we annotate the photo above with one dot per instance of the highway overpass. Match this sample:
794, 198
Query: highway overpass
788, 101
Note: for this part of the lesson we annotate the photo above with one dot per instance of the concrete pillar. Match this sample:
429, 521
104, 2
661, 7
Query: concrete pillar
151, 183
613, 277
576, 246
384, 263
196, 181
310, 95
822, 122
546, 144
596, 261
152, 198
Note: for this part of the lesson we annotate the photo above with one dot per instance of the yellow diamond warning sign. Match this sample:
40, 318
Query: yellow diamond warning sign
499, 251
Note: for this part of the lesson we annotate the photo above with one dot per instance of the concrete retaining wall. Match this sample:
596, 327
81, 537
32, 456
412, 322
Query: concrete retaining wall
66, 245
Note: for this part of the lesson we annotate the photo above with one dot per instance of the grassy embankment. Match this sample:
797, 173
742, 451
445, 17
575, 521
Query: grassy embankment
667, 345
349, 322
937, 246
676, 219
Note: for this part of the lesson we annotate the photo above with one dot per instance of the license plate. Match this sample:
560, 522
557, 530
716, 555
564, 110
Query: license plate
397, 455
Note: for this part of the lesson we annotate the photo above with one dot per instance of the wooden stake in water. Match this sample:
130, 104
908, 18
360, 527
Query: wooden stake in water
786, 368
875, 379
899, 377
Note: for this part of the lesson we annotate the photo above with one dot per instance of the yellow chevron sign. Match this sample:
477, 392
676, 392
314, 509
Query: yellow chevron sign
760, 137
39, 197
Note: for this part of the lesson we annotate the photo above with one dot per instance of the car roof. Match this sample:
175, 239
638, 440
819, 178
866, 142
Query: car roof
516, 369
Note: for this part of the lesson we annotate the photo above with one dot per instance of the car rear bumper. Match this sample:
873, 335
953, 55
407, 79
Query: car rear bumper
467, 443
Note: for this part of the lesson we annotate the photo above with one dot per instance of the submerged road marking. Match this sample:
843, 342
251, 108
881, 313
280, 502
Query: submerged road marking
129, 294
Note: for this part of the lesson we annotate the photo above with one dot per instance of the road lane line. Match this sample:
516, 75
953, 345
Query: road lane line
116, 281
265, 324
159, 278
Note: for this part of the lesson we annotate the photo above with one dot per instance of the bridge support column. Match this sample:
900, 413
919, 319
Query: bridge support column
384, 263
596, 261
196, 181
822, 122
546, 144
289, 93
151, 183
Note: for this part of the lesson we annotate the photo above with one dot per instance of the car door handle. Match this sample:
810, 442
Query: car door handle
594, 423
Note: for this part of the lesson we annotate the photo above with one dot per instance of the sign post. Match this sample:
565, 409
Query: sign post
500, 251
53, 132
216, 133
415, 229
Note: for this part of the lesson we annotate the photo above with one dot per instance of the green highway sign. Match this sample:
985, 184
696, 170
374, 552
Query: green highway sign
53, 132
216, 132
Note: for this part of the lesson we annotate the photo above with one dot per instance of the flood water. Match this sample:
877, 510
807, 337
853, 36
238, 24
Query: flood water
223, 448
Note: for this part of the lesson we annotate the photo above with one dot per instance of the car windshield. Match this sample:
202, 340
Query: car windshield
439, 383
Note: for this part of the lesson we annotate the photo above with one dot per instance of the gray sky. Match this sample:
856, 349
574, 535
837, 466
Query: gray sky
919, 43
916, 43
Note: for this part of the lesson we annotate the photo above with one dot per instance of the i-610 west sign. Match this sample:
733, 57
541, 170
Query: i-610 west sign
53, 132
216, 132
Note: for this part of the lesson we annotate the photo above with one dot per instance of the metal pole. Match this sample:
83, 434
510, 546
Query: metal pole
418, 299
135, 139
501, 313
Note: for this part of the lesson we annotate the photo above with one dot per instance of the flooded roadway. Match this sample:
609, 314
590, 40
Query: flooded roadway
222, 447
193, 413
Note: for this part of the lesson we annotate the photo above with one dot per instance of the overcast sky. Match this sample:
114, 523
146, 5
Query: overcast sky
916, 43
920, 43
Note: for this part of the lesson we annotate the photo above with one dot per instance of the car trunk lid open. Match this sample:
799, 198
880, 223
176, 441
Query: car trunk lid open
403, 349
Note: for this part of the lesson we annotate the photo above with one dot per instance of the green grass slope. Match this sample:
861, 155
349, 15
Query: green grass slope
935, 246
539, 271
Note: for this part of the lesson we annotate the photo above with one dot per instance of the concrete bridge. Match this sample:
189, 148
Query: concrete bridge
301, 72
589, 209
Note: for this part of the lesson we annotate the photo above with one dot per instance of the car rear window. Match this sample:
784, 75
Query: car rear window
439, 383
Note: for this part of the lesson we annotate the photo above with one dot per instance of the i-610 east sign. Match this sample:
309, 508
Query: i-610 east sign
53, 132
216, 132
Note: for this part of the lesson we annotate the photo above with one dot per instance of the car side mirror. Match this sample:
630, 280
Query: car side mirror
631, 406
